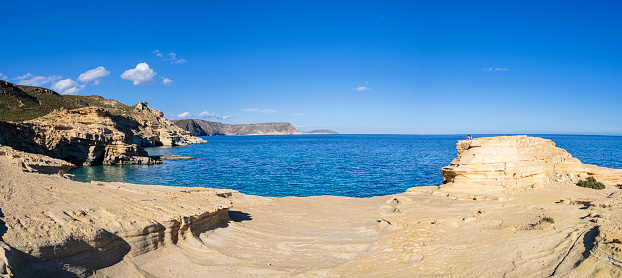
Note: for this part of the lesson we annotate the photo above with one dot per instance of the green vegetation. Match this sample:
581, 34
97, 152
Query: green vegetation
23, 103
591, 182
548, 219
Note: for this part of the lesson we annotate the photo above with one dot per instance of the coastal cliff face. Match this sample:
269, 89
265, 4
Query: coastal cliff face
54, 227
95, 136
518, 161
206, 128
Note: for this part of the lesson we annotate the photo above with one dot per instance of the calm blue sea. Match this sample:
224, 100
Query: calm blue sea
306, 165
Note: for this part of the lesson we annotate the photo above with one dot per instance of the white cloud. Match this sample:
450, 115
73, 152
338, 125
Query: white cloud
23, 76
172, 56
93, 75
29, 80
67, 87
267, 111
206, 114
166, 81
361, 88
202, 115
495, 69
185, 115
4, 77
174, 59
142, 74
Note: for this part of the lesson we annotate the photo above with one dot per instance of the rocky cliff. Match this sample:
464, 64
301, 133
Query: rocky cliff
518, 161
22, 103
51, 226
206, 128
95, 135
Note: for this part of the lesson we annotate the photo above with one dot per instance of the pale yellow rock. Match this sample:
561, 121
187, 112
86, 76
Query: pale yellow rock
94, 136
518, 161
52, 226
551, 229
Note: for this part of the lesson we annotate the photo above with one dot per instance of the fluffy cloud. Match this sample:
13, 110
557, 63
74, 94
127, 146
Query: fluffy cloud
3, 77
185, 115
268, 111
157, 53
67, 87
361, 88
29, 80
206, 114
166, 81
93, 75
142, 74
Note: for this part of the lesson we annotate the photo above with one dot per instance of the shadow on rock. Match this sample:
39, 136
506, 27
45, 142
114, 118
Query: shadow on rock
238, 216
74, 258
3, 227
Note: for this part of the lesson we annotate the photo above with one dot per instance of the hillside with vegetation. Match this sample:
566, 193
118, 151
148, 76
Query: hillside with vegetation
22, 103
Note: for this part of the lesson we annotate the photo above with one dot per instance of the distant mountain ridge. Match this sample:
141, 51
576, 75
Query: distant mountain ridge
206, 128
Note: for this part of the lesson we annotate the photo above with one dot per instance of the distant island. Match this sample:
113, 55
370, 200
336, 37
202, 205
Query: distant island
321, 131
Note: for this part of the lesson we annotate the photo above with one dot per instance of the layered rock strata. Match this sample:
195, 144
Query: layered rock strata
207, 128
93, 136
518, 161
51, 226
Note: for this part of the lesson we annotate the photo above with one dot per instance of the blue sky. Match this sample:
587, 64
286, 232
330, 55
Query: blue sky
433, 67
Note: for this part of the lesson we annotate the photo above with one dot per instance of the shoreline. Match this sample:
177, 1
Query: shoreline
539, 225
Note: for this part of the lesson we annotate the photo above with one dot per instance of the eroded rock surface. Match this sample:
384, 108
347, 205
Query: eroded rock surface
518, 161
93, 136
52, 226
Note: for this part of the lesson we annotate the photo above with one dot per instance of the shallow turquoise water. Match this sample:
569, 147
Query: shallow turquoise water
306, 165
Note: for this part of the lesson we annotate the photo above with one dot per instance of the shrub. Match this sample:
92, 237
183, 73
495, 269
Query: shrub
549, 219
591, 182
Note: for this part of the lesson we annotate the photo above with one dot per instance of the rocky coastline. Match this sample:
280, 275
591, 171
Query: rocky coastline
95, 136
509, 206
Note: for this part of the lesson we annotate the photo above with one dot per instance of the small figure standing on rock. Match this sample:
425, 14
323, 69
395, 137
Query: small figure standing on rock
469, 137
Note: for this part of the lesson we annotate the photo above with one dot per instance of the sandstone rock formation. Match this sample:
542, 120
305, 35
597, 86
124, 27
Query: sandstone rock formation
206, 128
54, 227
518, 161
94, 136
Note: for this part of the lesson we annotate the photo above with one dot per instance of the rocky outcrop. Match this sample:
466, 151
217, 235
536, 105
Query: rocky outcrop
94, 136
54, 227
518, 161
36, 163
206, 128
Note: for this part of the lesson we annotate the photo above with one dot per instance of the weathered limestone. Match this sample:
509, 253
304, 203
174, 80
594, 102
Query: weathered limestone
518, 161
52, 226
93, 136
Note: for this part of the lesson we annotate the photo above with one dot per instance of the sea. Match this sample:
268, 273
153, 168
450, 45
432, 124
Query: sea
309, 165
